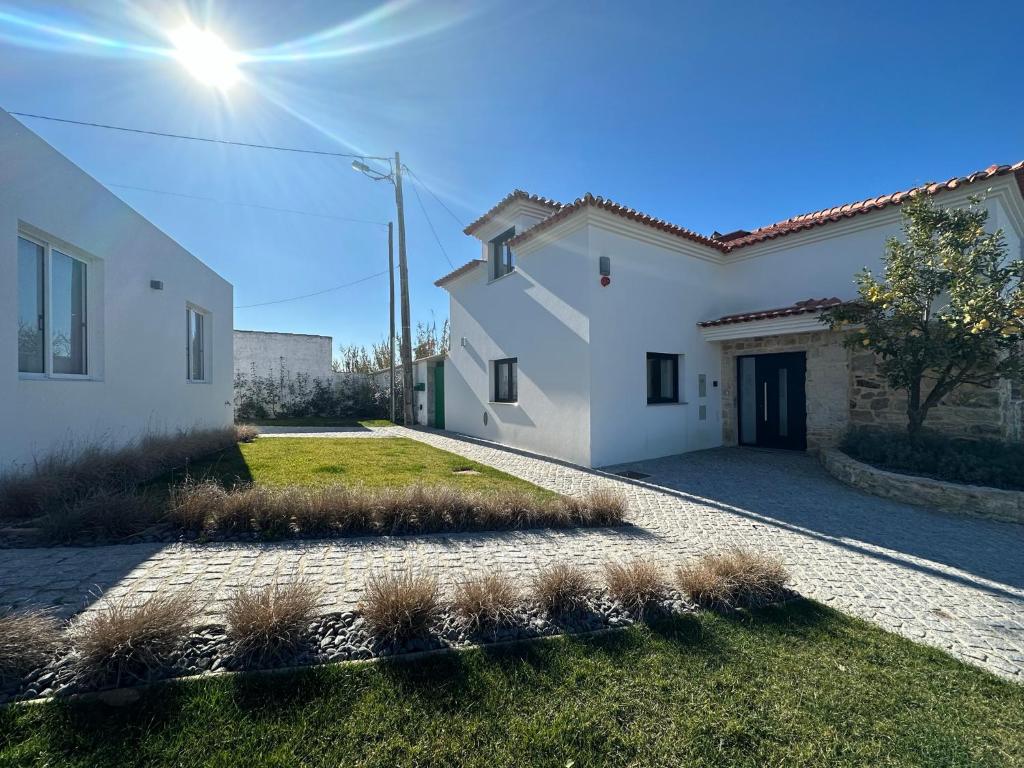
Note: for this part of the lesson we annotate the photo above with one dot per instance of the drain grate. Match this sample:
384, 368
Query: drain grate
633, 475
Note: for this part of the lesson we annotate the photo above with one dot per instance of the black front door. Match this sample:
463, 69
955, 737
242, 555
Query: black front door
772, 405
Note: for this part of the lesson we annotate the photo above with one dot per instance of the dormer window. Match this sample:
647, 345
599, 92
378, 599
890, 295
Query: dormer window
501, 254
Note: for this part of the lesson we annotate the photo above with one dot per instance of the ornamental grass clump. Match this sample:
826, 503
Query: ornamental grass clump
267, 624
73, 474
562, 589
29, 639
636, 585
487, 602
400, 606
338, 510
102, 516
129, 639
597, 508
735, 578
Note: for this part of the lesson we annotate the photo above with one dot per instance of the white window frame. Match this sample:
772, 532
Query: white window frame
191, 309
71, 253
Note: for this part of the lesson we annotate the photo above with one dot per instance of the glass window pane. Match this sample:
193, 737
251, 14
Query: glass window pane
783, 402
30, 307
667, 380
652, 378
513, 389
748, 401
197, 355
67, 312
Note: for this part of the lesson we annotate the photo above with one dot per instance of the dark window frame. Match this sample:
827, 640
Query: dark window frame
657, 399
513, 380
502, 261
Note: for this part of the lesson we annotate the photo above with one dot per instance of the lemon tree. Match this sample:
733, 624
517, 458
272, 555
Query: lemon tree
947, 311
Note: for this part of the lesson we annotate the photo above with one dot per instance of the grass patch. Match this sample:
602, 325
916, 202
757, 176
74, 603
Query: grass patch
797, 685
318, 421
372, 463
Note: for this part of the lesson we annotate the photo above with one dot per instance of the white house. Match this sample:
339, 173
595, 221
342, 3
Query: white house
108, 328
597, 334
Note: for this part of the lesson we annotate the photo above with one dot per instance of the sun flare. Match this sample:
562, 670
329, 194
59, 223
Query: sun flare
206, 56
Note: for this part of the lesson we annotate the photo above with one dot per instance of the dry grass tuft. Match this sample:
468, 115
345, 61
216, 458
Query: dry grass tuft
278, 512
29, 639
486, 602
66, 477
735, 578
562, 588
128, 639
636, 584
101, 516
269, 623
400, 606
597, 508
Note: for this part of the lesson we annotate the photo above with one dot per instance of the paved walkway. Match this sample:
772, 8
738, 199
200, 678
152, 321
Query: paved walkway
955, 583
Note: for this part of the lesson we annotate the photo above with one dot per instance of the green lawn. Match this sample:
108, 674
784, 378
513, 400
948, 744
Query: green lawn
797, 685
319, 421
373, 462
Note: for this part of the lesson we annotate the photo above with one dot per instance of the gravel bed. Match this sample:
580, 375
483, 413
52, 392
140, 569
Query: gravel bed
334, 637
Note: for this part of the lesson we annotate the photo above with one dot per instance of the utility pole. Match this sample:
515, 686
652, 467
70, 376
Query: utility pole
403, 274
391, 312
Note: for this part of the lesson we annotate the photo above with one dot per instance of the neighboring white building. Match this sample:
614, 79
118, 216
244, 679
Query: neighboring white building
268, 353
597, 334
108, 328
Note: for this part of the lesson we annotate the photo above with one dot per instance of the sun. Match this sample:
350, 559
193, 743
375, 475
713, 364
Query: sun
206, 56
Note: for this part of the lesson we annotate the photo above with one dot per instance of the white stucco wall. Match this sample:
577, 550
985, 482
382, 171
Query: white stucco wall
822, 261
582, 347
136, 335
266, 352
659, 291
538, 314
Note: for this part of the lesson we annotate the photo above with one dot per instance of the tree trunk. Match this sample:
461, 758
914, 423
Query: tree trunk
915, 415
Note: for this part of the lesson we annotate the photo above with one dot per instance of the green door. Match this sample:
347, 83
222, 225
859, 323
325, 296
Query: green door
439, 395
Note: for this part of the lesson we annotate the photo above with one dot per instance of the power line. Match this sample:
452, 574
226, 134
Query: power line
248, 205
431, 225
197, 138
315, 293
440, 202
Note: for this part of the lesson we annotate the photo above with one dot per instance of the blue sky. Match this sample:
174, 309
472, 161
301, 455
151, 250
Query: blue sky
712, 115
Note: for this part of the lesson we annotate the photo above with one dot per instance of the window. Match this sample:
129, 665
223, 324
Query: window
195, 352
52, 298
501, 254
662, 378
506, 389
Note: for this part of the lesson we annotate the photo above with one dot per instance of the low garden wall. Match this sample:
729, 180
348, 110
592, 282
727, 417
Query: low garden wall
976, 500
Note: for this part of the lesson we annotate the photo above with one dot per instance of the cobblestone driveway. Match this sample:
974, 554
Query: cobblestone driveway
955, 583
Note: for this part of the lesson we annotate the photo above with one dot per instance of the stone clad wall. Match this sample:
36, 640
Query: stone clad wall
827, 382
969, 411
845, 389
975, 500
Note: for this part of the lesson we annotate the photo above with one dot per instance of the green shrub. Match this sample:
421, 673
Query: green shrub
976, 462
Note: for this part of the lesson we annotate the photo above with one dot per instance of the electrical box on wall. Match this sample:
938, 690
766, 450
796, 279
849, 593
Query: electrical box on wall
421, 387
605, 266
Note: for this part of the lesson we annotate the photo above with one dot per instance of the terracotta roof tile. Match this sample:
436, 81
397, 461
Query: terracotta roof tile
840, 212
589, 200
459, 272
516, 194
807, 306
